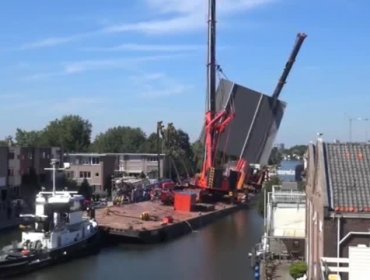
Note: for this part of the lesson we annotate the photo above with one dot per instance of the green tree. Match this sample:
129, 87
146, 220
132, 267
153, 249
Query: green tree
298, 150
275, 157
184, 143
31, 138
178, 148
68, 183
7, 141
151, 145
30, 184
85, 189
71, 133
198, 155
120, 139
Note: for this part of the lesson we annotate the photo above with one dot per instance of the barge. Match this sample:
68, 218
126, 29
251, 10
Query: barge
153, 222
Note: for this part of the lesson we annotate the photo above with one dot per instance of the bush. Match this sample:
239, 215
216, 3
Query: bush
298, 269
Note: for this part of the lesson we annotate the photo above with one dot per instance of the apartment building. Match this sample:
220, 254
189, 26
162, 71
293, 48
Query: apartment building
3, 173
97, 169
26, 166
136, 163
22, 170
337, 208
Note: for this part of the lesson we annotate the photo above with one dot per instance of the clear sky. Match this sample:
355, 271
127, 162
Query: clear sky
136, 62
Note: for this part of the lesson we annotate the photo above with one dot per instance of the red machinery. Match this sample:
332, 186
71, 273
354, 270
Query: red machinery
213, 177
215, 124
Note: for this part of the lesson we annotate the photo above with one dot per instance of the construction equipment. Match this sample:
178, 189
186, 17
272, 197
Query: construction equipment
214, 176
175, 153
289, 65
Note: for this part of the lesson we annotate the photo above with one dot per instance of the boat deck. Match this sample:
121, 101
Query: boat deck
125, 220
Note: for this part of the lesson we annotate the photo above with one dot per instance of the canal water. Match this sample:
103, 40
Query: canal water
286, 165
217, 251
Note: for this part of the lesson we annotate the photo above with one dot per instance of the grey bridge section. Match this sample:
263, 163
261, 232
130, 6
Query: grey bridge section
253, 131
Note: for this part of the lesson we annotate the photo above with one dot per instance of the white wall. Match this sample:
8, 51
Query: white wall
289, 222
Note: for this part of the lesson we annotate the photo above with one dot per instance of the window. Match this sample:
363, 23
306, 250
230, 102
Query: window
97, 174
11, 155
30, 155
10, 172
45, 155
85, 174
95, 160
134, 157
85, 160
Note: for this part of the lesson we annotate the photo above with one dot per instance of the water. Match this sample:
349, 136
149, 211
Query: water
288, 165
218, 251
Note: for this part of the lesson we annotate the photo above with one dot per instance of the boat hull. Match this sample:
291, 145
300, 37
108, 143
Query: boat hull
39, 260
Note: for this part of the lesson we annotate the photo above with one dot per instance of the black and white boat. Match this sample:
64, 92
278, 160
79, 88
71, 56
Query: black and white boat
57, 231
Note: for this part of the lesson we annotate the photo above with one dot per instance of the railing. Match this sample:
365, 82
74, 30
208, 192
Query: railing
331, 266
287, 197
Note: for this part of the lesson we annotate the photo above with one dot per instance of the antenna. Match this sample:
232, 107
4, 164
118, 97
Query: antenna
54, 162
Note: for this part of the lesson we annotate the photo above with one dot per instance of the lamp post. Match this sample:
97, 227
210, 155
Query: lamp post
159, 151
350, 125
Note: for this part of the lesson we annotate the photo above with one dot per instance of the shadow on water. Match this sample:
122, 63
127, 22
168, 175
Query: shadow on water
217, 251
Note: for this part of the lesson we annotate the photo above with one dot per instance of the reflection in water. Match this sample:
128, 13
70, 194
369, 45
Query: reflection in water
218, 251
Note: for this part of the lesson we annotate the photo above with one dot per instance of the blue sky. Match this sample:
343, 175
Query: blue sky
136, 62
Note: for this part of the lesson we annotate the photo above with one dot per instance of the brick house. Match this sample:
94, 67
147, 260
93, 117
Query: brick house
136, 163
27, 165
3, 173
338, 202
97, 169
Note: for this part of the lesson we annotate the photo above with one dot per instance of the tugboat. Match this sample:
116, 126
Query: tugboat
57, 231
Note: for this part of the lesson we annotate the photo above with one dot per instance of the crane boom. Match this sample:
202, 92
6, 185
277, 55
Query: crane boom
289, 64
211, 88
211, 63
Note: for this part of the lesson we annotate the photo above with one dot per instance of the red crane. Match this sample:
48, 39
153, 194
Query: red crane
215, 123
212, 177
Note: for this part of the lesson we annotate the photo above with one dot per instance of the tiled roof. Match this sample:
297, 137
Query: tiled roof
348, 170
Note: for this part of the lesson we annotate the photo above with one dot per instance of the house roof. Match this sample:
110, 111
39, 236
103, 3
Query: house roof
348, 173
